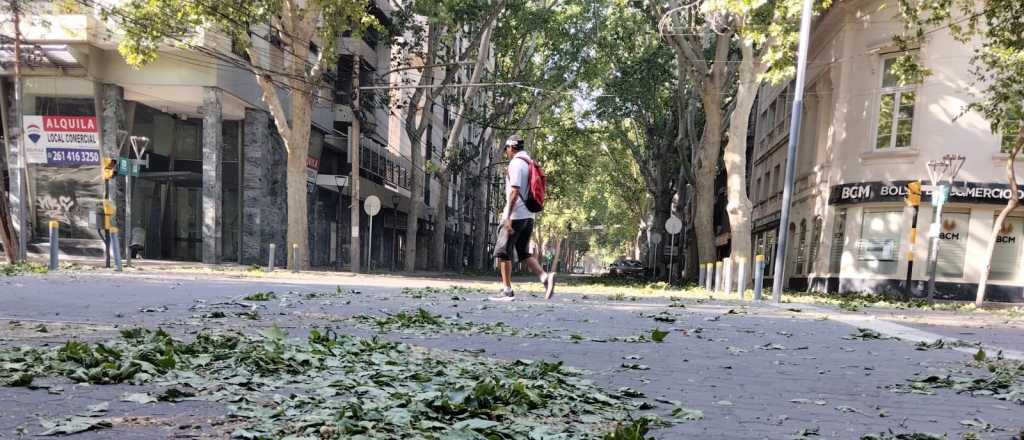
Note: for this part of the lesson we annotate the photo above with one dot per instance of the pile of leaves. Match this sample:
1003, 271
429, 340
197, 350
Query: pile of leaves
341, 386
1000, 378
453, 291
22, 268
261, 296
422, 321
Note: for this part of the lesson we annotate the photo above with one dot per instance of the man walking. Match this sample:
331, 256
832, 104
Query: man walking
516, 223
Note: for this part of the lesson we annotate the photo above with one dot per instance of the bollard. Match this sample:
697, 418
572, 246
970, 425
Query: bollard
702, 274
54, 245
295, 258
758, 276
270, 261
741, 278
709, 276
115, 246
727, 276
718, 276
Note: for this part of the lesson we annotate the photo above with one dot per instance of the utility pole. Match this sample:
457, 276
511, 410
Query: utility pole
22, 175
794, 140
355, 249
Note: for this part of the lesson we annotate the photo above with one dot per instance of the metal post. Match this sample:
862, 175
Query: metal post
128, 215
369, 245
709, 281
758, 276
270, 261
909, 289
54, 245
702, 275
794, 139
295, 258
671, 259
718, 276
115, 246
741, 277
727, 275
933, 259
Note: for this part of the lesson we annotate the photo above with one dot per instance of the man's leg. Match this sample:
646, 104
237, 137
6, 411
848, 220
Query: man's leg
505, 267
534, 266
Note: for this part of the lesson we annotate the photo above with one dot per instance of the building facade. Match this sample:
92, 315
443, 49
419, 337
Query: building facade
214, 188
864, 136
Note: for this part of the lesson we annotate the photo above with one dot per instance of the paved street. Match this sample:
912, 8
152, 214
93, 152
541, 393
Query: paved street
756, 371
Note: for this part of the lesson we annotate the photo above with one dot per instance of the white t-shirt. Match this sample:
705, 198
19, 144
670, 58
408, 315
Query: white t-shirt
518, 176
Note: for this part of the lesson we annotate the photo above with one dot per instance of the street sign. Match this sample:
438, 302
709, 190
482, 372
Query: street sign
655, 237
371, 206
673, 225
126, 166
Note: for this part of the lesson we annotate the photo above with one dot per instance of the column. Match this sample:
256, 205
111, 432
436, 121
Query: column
13, 152
255, 182
213, 155
112, 122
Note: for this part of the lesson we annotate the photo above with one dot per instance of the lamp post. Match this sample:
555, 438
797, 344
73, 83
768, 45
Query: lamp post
139, 144
942, 173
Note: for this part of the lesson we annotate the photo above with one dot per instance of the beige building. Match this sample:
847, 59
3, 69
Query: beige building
864, 136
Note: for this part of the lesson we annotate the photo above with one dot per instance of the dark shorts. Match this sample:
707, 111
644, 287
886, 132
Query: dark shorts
517, 241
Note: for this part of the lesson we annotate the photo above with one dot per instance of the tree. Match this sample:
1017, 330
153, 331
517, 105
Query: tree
430, 32
993, 28
765, 35
254, 27
640, 105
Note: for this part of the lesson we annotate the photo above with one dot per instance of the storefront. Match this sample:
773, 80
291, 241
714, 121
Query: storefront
870, 242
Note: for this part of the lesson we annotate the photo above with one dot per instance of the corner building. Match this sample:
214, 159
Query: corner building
864, 137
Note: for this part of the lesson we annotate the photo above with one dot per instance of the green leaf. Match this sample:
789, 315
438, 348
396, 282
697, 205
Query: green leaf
73, 425
658, 335
980, 356
475, 424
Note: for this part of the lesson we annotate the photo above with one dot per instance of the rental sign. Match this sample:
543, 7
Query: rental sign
62, 141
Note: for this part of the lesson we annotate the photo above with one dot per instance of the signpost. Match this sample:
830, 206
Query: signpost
372, 207
942, 173
131, 169
655, 240
673, 226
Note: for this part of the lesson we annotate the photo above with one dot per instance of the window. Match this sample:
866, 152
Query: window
835, 257
801, 248
1010, 132
769, 252
895, 110
812, 258
767, 184
777, 185
1006, 260
953, 234
757, 190
878, 248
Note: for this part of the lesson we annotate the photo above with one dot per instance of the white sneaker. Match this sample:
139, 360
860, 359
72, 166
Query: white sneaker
503, 298
549, 285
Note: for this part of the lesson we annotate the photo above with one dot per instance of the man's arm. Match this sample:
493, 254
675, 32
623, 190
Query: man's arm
509, 205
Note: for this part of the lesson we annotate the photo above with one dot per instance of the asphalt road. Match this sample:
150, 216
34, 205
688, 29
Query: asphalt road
755, 371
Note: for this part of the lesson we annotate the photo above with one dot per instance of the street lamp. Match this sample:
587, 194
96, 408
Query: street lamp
942, 173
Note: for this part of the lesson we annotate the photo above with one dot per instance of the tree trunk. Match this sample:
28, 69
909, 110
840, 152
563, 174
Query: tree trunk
1010, 206
706, 169
438, 262
738, 206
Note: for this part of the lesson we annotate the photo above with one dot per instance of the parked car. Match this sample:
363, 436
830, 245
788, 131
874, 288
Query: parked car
630, 268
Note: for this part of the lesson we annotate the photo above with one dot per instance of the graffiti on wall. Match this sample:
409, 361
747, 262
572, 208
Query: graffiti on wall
58, 208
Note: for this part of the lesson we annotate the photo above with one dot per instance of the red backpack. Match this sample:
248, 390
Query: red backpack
538, 187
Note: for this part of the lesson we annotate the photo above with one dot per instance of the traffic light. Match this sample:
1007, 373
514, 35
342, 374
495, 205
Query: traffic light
109, 168
913, 197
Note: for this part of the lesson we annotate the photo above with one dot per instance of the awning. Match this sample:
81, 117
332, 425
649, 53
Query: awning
37, 55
